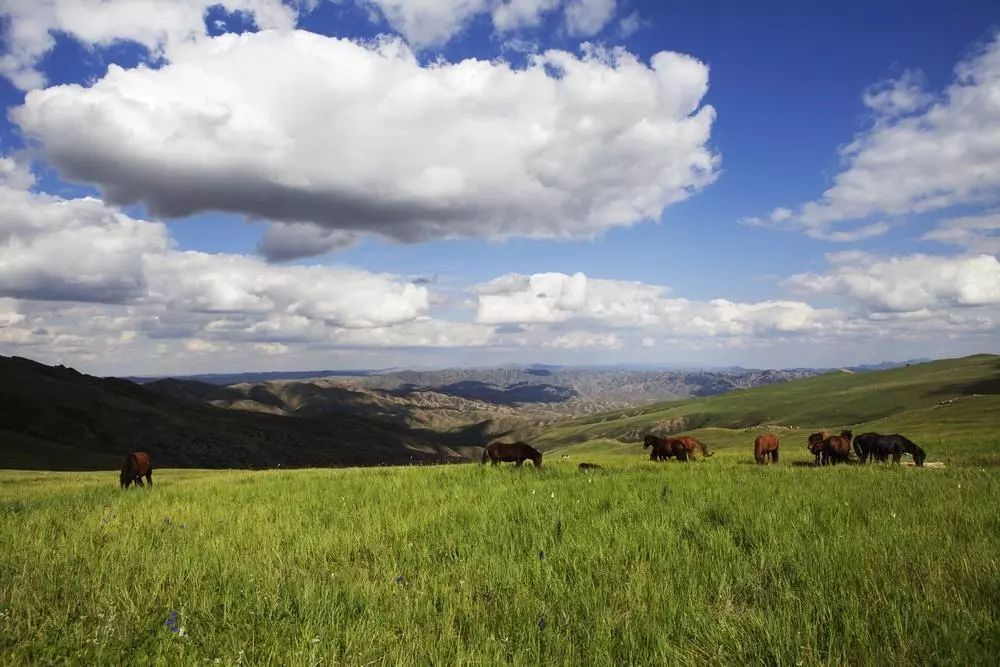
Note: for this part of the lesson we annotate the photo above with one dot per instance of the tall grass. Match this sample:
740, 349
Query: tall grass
715, 562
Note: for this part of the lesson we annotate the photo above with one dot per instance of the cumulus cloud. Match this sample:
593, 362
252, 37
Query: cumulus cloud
431, 23
977, 233
155, 24
297, 127
585, 18
919, 155
512, 14
84, 251
913, 283
286, 241
613, 304
72, 250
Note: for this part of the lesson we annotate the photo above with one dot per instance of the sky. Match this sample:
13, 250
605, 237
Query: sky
191, 186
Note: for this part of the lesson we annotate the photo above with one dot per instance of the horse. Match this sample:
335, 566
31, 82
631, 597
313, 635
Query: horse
864, 446
690, 445
765, 446
584, 467
664, 448
837, 448
512, 451
881, 447
136, 466
815, 445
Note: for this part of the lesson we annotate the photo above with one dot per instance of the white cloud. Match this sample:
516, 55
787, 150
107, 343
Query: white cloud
918, 156
612, 304
271, 348
977, 233
898, 97
428, 22
904, 284
155, 24
81, 250
72, 250
512, 14
253, 124
588, 17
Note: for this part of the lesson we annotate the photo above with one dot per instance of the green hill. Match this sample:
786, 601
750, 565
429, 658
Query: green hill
952, 401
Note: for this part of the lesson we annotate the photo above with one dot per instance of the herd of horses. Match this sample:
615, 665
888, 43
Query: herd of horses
827, 449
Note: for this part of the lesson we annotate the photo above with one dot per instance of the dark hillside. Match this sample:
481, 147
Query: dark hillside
58, 418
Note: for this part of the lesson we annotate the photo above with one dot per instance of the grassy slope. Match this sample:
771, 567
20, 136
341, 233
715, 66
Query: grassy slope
715, 563
718, 562
952, 402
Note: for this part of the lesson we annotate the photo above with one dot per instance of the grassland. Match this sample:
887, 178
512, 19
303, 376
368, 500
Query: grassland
713, 562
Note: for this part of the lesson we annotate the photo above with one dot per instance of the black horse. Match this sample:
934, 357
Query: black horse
874, 446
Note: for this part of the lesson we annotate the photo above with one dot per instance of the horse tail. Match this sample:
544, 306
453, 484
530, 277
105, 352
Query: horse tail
774, 455
704, 448
486, 455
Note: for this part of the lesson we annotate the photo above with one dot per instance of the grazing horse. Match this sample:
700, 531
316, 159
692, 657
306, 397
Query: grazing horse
690, 445
864, 446
136, 466
837, 448
815, 445
765, 446
584, 467
875, 446
512, 451
664, 448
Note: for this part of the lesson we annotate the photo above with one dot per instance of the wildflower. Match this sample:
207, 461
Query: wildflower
400, 580
892, 514
553, 494
173, 621
541, 623
541, 555
182, 632
314, 640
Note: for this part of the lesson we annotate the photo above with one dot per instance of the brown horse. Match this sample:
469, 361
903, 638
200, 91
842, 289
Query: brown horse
664, 448
512, 451
837, 448
136, 466
766, 445
815, 445
690, 445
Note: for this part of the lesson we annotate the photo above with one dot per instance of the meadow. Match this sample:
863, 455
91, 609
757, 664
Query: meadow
719, 561
715, 562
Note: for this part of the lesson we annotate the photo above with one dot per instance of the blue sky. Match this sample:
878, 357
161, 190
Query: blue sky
832, 181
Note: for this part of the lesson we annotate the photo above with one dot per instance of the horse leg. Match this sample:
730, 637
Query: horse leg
138, 481
518, 463
149, 477
896, 457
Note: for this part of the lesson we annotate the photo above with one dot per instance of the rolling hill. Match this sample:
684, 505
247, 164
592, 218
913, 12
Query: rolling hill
57, 418
950, 400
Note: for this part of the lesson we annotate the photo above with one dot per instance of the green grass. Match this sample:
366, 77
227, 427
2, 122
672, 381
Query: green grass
713, 562
716, 562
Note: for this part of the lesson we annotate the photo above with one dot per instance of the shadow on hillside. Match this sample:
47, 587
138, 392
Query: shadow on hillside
988, 385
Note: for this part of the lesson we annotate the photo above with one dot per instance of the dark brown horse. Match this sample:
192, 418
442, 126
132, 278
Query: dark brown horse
764, 447
512, 451
136, 466
664, 448
874, 446
815, 445
837, 448
690, 445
